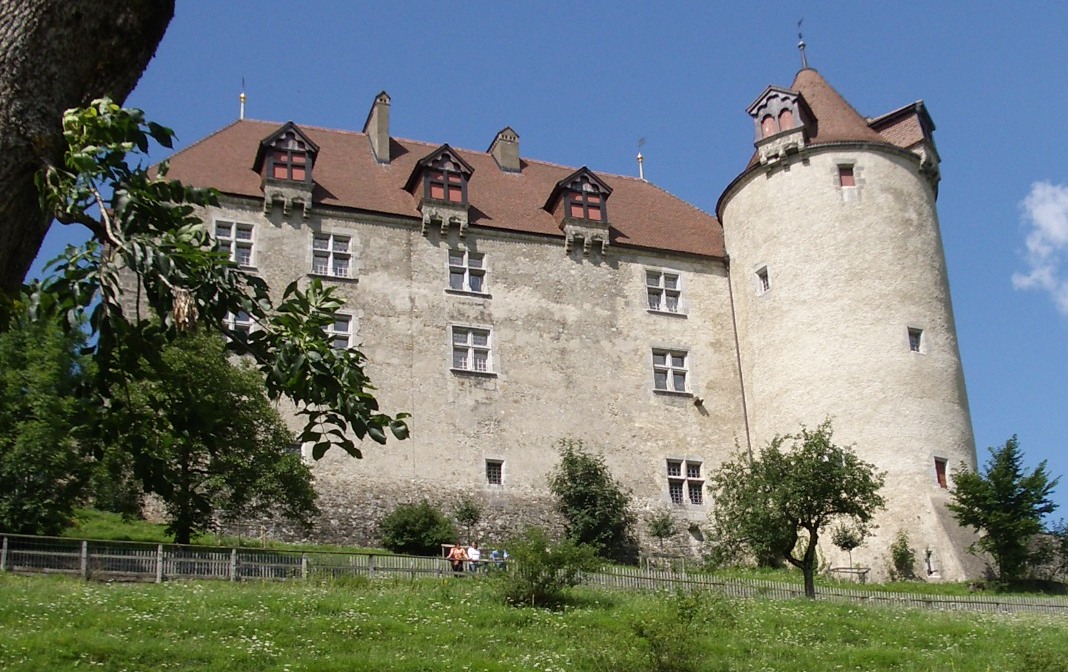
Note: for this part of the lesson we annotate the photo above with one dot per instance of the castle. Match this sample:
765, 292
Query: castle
507, 303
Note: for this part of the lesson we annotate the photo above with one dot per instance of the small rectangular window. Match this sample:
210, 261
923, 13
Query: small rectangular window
669, 370
494, 472
340, 333
762, 279
915, 339
330, 255
467, 271
685, 483
940, 473
471, 349
235, 239
845, 176
663, 291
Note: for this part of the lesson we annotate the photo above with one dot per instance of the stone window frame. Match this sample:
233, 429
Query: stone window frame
659, 295
686, 481
464, 270
239, 321
470, 350
333, 253
242, 250
345, 334
941, 472
494, 472
917, 342
670, 369
762, 279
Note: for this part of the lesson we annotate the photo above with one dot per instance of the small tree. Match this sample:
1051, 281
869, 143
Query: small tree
416, 529
902, 557
1006, 506
540, 571
43, 455
206, 439
468, 512
782, 500
662, 525
594, 504
847, 538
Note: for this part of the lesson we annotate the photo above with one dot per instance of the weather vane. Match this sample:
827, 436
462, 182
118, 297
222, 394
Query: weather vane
801, 44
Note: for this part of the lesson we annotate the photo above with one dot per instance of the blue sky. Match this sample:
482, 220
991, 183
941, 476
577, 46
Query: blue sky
582, 82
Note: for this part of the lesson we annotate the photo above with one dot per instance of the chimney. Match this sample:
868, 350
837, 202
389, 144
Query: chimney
377, 127
505, 149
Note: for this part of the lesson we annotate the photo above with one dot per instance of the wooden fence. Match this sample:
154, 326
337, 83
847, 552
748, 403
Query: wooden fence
138, 561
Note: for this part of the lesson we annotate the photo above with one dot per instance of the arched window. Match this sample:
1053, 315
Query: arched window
767, 126
786, 120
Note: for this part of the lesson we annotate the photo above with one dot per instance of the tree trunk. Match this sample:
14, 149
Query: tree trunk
54, 55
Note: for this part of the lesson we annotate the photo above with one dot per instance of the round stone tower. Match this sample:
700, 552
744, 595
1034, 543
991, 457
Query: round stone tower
842, 305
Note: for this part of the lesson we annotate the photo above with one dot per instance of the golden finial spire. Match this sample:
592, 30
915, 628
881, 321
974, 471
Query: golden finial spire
801, 44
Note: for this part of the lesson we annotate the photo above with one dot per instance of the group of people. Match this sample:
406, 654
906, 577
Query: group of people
470, 559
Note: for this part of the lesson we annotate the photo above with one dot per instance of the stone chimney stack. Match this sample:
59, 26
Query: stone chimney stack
505, 149
377, 127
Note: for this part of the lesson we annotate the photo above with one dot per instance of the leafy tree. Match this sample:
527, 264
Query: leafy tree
662, 525
54, 55
847, 538
468, 512
540, 571
595, 506
205, 438
781, 500
43, 457
1006, 506
152, 253
416, 529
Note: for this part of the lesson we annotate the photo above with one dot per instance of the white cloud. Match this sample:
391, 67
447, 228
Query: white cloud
1046, 216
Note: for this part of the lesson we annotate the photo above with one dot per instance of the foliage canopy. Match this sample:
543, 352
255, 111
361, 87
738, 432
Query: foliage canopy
205, 438
780, 501
416, 529
151, 252
1006, 505
595, 506
43, 448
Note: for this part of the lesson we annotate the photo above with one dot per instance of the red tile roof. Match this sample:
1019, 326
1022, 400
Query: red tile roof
834, 119
347, 175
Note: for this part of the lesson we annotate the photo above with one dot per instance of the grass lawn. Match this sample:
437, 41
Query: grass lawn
54, 623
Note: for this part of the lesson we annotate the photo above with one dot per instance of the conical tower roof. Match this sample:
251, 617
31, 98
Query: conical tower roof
835, 120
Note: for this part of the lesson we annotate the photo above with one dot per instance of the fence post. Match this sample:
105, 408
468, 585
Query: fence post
85, 559
411, 567
233, 564
3, 555
370, 565
304, 565
159, 563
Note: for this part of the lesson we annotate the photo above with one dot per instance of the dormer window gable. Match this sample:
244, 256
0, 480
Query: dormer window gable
581, 195
441, 177
777, 111
287, 155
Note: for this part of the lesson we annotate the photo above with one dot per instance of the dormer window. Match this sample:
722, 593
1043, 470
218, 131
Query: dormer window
287, 155
442, 176
585, 204
289, 164
776, 111
447, 185
581, 195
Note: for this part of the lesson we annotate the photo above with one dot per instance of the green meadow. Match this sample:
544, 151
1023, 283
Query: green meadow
58, 623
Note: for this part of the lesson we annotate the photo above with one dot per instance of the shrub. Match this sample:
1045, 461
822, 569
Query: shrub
669, 637
902, 558
416, 529
540, 571
594, 504
468, 512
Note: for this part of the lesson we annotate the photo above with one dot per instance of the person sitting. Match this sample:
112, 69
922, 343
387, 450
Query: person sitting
457, 555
